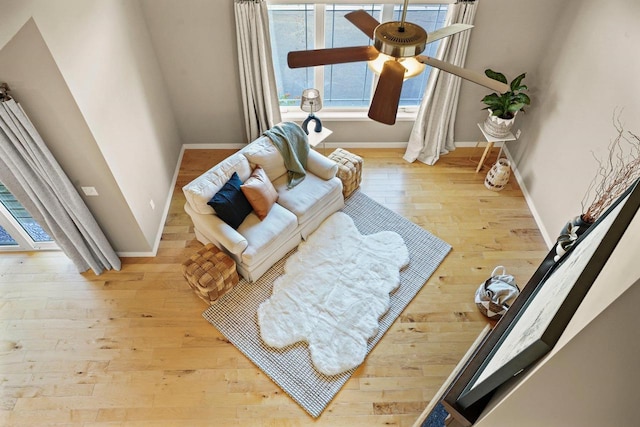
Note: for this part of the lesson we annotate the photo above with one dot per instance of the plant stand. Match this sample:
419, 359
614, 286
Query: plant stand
491, 140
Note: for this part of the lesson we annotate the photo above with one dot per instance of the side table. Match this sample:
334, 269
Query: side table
316, 138
491, 140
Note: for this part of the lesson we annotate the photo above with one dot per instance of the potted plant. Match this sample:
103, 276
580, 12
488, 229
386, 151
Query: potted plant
504, 107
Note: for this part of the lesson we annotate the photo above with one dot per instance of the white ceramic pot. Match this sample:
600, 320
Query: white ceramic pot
497, 127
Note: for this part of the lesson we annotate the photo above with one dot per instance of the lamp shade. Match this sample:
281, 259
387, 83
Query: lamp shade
310, 101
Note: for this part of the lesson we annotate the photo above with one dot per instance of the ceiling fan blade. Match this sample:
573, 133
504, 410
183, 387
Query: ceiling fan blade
365, 22
470, 75
338, 55
447, 31
386, 98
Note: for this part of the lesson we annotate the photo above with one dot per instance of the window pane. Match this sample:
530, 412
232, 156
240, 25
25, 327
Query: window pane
429, 17
6, 239
292, 28
23, 217
347, 85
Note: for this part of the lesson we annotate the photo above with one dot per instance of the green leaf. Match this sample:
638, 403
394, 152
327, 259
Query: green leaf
515, 84
515, 107
496, 76
505, 105
523, 98
491, 98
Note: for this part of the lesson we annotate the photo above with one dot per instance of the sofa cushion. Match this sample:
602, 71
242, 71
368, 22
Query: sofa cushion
308, 198
230, 203
259, 192
266, 236
263, 153
199, 191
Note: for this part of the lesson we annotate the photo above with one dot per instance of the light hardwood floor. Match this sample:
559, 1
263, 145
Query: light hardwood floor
131, 347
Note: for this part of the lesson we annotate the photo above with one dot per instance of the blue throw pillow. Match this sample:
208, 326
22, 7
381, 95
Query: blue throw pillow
230, 203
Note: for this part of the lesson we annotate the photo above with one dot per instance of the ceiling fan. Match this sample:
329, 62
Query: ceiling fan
396, 44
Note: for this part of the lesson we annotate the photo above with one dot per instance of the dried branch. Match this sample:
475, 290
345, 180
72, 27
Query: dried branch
615, 174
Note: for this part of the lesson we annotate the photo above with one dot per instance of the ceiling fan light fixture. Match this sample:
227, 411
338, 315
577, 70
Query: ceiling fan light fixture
400, 40
412, 65
395, 56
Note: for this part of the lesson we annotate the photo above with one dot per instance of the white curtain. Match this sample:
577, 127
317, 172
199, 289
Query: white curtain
257, 76
432, 133
36, 180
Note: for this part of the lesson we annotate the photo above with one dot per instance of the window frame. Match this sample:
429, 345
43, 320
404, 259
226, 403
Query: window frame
405, 113
23, 240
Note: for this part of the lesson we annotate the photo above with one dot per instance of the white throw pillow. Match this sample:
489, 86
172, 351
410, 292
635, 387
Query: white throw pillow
199, 191
263, 153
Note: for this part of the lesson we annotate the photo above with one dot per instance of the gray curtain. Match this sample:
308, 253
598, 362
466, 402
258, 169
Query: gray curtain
34, 177
432, 133
257, 75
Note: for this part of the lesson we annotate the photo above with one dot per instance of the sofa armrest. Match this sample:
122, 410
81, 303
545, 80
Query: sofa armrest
321, 166
218, 231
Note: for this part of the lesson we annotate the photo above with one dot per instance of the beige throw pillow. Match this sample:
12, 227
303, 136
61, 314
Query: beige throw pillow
260, 192
263, 153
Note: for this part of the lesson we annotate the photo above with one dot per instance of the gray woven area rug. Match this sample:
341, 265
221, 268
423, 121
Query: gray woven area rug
234, 315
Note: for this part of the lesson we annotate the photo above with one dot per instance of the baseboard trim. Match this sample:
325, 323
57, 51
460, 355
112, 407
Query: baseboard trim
532, 207
165, 215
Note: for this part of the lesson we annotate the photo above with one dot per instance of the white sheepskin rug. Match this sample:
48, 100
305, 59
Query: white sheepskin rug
332, 293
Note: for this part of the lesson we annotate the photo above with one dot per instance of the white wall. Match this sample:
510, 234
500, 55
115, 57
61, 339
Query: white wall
589, 70
195, 41
104, 53
510, 36
37, 84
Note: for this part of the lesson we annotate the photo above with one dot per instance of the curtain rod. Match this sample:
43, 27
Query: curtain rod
4, 92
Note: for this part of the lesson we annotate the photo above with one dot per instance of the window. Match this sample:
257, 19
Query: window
18, 230
316, 26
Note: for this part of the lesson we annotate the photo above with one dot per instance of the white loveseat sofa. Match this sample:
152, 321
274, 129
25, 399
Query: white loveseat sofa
256, 245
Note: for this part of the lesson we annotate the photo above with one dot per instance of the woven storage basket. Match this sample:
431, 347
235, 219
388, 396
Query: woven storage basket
498, 175
349, 170
211, 273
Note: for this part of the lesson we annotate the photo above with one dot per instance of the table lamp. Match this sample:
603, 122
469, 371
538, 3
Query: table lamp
311, 102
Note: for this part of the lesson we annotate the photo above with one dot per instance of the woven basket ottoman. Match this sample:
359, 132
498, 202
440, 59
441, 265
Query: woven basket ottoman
349, 170
211, 273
